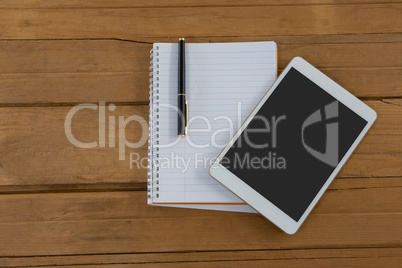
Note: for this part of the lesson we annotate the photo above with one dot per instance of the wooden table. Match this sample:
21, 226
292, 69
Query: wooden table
63, 205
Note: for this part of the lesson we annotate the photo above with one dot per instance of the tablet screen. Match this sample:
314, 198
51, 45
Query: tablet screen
294, 143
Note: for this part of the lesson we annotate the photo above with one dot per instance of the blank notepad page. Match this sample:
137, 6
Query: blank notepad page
224, 82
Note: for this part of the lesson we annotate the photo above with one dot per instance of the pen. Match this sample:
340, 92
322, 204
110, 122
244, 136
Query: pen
182, 101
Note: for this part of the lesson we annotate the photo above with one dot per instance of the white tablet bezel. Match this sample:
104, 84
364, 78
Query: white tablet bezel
252, 197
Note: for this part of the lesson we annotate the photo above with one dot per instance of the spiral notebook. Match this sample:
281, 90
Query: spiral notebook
224, 82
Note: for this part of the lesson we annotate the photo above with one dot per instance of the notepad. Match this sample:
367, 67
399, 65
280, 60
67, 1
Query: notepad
224, 82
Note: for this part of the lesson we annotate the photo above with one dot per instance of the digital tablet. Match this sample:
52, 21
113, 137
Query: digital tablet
292, 145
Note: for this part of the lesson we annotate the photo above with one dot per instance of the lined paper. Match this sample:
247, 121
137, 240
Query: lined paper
224, 82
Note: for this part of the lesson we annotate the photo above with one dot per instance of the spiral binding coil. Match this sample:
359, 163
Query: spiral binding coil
153, 142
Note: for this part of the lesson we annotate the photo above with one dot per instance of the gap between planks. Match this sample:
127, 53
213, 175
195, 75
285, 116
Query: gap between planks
71, 104
142, 186
347, 38
198, 256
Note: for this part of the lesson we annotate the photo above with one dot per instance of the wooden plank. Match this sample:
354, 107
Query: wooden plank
358, 183
284, 39
129, 23
58, 221
117, 228
73, 56
368, 82
82, 56
33, 4
46, 157
377, 138
116, 71
38, 151
348, 183
132, 87
99, 223
73, 88
345, 196
283, 257
342, 55
337, 262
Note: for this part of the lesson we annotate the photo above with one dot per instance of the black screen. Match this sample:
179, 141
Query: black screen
294, 143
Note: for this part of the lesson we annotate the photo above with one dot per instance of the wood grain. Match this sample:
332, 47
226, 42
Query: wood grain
65, 206
201, 232
59, 4
46, 156
80, 87
38, 151
75, 223
115, 71
369, 195
336, 262
383, 37
199, 21
132, 87
82, 56
73, 56
368, 257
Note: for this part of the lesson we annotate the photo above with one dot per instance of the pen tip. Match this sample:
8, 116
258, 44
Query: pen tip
181, 39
